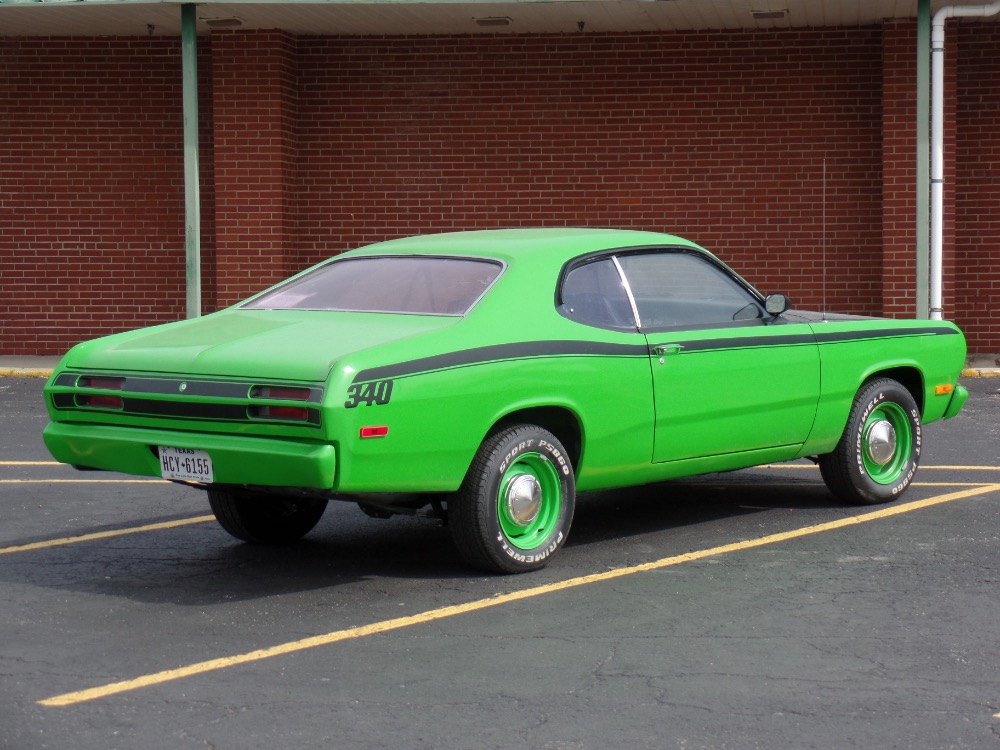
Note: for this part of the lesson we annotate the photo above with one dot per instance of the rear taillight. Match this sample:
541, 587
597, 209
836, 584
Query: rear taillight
285, 412
280, 392
98, 401
282, 413
98, 381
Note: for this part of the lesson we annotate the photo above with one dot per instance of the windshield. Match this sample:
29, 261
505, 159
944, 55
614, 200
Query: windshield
414, 285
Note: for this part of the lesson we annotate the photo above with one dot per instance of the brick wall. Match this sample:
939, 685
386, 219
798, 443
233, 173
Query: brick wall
975, 295
91, 189
254, 99
720, 137
314, 145
91, 174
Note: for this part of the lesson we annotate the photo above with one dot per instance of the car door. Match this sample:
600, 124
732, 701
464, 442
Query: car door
727, 377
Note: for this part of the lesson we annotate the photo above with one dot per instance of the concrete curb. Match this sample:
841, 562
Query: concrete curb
981, 372
24, 374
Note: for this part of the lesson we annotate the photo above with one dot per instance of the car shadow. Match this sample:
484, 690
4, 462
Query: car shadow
621, 513
199, 564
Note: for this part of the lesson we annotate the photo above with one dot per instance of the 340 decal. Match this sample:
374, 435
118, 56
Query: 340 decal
376, 393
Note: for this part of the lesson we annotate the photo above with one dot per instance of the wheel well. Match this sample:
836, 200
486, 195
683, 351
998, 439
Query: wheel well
909, 377
560, 422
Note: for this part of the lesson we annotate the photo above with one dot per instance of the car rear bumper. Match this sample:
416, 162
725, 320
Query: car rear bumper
236, 459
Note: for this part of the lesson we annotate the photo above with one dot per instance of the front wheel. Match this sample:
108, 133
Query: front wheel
515, 507
263, 518
878, 454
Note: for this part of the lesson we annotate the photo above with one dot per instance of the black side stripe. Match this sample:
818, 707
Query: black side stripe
530, 349
884, 333
499, 353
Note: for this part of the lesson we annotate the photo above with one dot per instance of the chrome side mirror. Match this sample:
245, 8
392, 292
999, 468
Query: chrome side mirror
775, 304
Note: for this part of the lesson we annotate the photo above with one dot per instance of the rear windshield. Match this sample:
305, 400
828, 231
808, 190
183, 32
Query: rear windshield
414, 285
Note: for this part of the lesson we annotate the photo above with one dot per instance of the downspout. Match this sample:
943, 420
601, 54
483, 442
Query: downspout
923, 186
192, 191
937, 141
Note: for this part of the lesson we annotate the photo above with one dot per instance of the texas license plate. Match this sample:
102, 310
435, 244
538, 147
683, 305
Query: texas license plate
186, 464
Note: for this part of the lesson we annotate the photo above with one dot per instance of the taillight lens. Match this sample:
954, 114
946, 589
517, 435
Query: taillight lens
98, 381
93, 401
282, 413
280, 392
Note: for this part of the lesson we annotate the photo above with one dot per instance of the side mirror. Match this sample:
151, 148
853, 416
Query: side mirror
775, 304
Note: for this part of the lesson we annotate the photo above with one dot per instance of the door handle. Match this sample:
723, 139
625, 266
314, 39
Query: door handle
665, 349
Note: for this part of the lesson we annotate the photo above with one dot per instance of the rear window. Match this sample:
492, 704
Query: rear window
413, 285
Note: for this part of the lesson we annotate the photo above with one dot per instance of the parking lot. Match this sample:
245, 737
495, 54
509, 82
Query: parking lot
744, 610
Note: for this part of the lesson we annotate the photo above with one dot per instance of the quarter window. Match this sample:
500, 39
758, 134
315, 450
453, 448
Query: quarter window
593, 294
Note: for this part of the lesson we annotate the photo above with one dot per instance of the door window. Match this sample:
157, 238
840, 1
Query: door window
679, 289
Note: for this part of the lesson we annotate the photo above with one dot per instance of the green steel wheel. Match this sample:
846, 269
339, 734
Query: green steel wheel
877, 456
263, 518
515, 507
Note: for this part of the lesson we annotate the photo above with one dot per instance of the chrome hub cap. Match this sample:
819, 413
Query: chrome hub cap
523, 499
881, 442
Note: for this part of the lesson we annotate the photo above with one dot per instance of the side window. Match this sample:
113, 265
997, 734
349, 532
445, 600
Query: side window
682, 289
593, 294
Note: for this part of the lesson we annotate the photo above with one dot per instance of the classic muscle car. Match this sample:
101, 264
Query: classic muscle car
484, 378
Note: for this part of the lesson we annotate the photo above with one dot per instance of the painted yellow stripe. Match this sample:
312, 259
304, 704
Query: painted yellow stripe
105, 534
158, 678
951, 484
762, 466
82, 481
814, 467
31, 463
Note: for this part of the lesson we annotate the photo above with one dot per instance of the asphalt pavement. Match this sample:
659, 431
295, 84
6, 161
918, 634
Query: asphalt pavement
739, 610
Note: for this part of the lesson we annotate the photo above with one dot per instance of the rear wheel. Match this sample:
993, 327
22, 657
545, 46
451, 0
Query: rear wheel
263, 518
515, 507
878, 454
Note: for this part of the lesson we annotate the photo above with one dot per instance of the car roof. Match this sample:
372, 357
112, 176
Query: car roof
552, 245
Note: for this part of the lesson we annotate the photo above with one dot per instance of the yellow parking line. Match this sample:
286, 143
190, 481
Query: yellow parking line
105, 534
84, 481
762, 466
951, 484
921, 468
31, 463
158, 678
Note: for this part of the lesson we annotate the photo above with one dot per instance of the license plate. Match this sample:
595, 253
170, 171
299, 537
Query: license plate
186, 464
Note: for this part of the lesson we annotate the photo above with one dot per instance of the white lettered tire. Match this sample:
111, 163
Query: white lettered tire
878, 454
515, 507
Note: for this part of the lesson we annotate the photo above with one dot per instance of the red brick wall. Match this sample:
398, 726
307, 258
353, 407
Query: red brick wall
314, 145
899, 169
91, 189
254, 99
717, 136
92, 181
975, 295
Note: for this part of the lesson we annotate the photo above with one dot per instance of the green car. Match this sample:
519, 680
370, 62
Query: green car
484, 378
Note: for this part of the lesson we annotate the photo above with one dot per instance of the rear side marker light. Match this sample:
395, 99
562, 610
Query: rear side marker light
375, 432
944, 390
